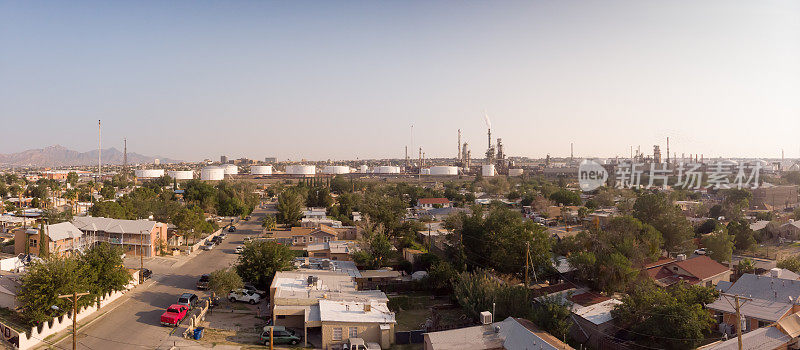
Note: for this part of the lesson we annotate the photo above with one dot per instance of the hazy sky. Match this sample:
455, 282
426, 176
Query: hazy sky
340, 80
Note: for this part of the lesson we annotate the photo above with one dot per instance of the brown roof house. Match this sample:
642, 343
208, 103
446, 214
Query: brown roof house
700, 270
430, 203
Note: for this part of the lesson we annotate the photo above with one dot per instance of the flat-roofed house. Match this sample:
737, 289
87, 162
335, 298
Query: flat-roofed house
510, 334
368, 320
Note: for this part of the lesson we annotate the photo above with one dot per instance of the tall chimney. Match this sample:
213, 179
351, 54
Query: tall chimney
99, 150
458, 155
667, 149
571, 151
125, 158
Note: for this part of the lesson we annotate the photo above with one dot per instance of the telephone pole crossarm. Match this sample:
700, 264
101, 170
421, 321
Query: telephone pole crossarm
737, 307
74, 297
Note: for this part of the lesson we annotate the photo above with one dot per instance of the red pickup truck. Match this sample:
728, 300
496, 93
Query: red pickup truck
174, 315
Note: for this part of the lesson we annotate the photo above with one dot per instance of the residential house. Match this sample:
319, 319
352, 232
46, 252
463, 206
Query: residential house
315, 213
592, 322
770, 197
772, 299
9, 283
300, 237
430, 203
299, 298
411, 254
372, 279
781, 335
368, 320
135, 237
334, 250
791, 229
699, 270
62, 239
510, 334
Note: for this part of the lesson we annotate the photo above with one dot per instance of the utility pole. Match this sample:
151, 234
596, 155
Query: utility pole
738, 314
527, 258
74, 297
141, 258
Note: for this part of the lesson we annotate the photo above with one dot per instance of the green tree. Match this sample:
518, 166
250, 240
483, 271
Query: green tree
791, 263
289, 207
658, 211
44, 281
668, 318
260, 260
553, 314
223, 281
566, 197
319, 197
105, 271
270, 223
478, 291
719, 245
743, 236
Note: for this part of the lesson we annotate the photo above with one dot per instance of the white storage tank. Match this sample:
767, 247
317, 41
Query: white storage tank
515, 172
181, 174
212, 173
230, 169
487, 170
387, 169
363, 169
444, 170
148, 173
301, 169
425, 171
336, 169
261, 170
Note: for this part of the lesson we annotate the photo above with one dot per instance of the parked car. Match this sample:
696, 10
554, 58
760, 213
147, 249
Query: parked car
232, 229
280, 335
244, 295
216, 240
248, 239
188, 299
239, 250
208, 246
253, 289
203, 282
701, 251
359, 344
174, 315
222, 235
145, 273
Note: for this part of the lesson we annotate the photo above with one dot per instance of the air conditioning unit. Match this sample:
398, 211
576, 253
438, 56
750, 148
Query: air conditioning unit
486, 317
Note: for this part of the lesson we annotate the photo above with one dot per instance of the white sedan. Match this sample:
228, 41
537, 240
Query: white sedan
239, 250
208, 246
244, 295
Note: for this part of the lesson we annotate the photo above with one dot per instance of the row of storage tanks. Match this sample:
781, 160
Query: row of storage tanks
219, 172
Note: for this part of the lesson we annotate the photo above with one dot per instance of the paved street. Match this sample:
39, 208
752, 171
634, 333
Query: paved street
134, 322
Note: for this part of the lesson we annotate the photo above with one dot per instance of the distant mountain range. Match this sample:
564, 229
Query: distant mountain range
61, 156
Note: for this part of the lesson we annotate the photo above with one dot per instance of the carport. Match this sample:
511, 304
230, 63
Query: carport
297, 316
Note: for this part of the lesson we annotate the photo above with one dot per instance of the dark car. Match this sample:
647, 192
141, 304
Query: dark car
188, 299
232, 229
203, 282
146, 274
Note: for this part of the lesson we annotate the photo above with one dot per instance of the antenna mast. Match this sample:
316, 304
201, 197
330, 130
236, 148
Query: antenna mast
99, 150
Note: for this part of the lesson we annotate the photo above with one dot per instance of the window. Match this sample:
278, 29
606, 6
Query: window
353, 332
337, 333
33, 243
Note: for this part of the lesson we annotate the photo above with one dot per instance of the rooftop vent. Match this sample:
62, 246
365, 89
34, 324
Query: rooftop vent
367, 307
486, 317
681, 257
774, 272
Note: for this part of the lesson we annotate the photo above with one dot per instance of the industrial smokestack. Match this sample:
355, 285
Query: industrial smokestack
667, 149
458, 155
571, 151
99, 150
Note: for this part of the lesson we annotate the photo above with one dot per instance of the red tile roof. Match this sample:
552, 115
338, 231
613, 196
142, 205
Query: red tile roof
702, 267
422, 201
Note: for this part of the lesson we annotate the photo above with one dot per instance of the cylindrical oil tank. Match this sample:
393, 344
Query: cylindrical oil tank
515, 172
386, 169
148, 173
181, 174
301, 169
230, 169
444, 170
363, 169
487, 170
212, 173
425, 171
261, 170
336, 169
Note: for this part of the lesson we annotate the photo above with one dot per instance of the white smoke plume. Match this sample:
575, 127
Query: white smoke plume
486, 119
